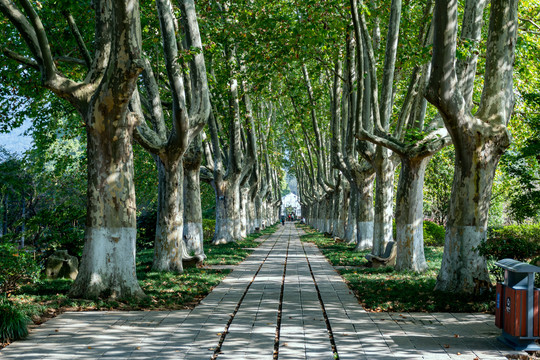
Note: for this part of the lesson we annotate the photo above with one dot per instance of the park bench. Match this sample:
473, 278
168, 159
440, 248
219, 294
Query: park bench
386, 259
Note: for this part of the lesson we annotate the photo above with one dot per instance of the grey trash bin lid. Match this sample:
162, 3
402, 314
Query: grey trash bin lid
517, 266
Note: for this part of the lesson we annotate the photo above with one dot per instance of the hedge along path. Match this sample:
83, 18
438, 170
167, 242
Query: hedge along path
283, 302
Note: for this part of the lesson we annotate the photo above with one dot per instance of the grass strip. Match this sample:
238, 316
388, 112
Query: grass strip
385, 289
165, 290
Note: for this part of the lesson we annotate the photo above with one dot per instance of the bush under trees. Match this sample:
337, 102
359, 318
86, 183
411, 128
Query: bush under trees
518, 242
433, 234
16, 267
13, 321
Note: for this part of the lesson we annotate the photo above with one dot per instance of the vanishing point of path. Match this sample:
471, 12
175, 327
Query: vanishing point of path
285, 301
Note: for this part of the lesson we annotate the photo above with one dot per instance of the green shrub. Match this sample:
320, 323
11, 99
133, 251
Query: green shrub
16, 267
518, 242
433, 234
530, 233
13, 321
58, 228
209, 227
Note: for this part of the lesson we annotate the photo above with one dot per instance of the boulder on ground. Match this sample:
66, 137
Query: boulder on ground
193, 261
61, 265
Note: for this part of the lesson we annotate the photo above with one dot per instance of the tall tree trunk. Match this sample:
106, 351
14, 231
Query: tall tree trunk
410, 215
244, 196
169, 246
258, 212
108, 262
252, 217
171, 145
384, 198
328, 207
343, 211
193, 226
227, 213
340, 207
462, 268
364, 212
350, 231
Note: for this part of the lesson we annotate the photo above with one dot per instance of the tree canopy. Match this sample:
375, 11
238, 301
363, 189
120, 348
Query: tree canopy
332, 93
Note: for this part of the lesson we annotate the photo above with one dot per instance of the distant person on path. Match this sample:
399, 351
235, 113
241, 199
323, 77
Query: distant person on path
283, 220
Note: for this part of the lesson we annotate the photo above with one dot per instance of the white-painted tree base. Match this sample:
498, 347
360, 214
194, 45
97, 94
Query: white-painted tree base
225, 231
339, 229
108, 265
350, 232
410, 247
364, 235
193, 238
168, 248
462, 269
382, 234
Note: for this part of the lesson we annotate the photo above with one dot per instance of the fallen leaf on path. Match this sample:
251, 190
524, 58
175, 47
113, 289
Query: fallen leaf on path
446, 346
456, 335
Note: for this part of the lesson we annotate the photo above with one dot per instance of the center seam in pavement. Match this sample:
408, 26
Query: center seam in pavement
280, 306
226, 331
325, 315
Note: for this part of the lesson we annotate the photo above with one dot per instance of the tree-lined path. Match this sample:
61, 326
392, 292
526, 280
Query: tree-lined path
285, 301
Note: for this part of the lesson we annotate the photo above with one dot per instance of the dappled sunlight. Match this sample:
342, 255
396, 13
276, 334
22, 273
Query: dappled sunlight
286, 296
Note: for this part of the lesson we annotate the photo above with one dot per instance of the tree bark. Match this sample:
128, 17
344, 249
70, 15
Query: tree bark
462, 269
169, 247
193, 226
364, 212
384, 200
410, 216
108, 263
340, 208
244, 199
227, 214
350, 231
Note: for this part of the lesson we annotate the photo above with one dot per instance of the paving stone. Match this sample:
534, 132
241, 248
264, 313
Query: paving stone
195, 334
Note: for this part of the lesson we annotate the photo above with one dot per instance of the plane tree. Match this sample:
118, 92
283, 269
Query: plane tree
479, 138
189, 97
101, 97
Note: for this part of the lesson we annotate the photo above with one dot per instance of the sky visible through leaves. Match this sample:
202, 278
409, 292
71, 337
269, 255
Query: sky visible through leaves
16, 141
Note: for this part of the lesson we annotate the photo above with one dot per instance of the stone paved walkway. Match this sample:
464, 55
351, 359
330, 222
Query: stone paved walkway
285, 301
